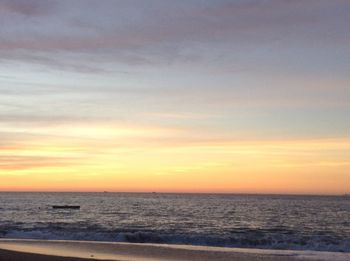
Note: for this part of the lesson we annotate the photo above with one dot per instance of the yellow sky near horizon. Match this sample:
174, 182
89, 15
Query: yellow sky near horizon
141, 158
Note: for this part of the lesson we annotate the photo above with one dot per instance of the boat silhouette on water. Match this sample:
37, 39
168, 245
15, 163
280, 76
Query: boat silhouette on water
65, 207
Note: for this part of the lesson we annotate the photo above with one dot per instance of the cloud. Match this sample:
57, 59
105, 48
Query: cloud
159, 32
15, 162
25, 7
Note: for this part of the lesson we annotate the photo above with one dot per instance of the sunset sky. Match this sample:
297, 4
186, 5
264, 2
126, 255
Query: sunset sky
240, 96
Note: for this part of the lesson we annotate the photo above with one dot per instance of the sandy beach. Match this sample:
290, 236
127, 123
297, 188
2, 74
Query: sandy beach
42, 250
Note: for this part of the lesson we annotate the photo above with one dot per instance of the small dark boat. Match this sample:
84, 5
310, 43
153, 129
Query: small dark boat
65, 207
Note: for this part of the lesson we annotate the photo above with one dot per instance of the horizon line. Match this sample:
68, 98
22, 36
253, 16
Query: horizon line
174, 192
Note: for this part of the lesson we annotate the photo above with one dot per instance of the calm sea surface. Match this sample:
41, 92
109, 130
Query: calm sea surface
254, 221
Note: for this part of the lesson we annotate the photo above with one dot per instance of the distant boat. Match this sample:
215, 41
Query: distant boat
65, 207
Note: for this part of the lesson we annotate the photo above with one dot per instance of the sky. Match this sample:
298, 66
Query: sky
226, 96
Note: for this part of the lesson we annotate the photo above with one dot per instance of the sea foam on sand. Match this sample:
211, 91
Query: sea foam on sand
17, 249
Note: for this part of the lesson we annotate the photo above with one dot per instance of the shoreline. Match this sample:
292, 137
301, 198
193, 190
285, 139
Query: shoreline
63, 250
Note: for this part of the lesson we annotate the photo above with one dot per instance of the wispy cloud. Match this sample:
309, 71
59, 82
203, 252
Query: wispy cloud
25, 7
15, 163
163, 31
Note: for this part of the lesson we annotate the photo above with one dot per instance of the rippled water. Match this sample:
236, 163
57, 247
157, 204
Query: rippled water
258, 221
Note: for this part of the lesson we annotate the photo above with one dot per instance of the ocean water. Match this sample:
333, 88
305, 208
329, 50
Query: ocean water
252, 221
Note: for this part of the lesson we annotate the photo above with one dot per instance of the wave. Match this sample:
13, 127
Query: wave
243, 238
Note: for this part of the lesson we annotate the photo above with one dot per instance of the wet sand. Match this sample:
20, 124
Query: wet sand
51, 250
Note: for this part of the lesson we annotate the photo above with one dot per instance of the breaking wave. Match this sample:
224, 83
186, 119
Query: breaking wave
246, 239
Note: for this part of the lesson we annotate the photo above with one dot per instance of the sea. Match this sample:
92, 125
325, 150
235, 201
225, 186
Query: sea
320, 223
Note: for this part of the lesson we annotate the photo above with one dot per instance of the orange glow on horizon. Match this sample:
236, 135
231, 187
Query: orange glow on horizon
156, 159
